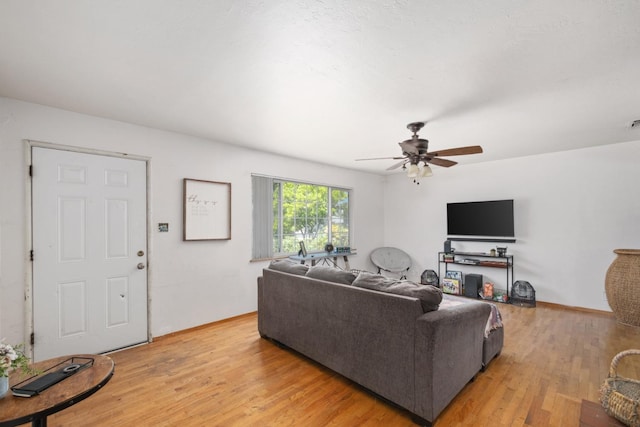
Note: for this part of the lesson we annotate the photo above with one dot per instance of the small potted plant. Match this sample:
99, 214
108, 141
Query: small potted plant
11, 357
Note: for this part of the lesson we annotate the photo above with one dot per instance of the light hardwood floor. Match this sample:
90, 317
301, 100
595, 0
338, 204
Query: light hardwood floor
224, 374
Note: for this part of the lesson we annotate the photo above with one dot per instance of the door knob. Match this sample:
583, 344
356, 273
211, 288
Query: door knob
140, 266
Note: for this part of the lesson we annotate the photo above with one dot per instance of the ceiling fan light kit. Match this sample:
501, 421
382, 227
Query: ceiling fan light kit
416, 172
413, 170
415, 151
426, 171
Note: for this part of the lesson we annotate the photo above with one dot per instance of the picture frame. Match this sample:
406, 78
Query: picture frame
206, 210
303, 249
451, 286
454, 275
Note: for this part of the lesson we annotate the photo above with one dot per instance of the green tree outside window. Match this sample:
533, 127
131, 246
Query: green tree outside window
314, 214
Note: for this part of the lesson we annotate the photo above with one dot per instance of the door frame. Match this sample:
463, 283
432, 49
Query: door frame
28, 292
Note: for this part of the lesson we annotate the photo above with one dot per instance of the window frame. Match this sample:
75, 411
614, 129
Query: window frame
278, 236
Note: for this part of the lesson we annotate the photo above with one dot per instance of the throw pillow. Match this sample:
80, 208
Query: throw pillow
331, 274
289, 266
429, 296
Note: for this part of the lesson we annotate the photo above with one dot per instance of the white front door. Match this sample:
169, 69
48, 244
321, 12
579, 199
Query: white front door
89, 252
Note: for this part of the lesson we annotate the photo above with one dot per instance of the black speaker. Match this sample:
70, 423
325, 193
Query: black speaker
447, 246
472, 285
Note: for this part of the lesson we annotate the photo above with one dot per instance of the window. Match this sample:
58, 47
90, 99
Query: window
287, 212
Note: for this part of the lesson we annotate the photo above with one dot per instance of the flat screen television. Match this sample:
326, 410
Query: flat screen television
491, 218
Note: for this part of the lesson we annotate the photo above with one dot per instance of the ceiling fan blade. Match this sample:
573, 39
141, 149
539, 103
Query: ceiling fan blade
442, 162
397, 165
471, 149
381, 158
408, 147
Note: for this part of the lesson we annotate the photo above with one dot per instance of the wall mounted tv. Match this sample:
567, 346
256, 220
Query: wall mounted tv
481, 219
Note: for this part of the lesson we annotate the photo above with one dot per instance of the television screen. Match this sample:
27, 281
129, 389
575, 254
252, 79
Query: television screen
491, 218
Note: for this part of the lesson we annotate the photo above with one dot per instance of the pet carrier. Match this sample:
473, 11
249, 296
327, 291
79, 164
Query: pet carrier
523, 294
429, 277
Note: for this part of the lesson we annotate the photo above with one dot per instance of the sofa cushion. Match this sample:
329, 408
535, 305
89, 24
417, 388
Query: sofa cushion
289, 266
429, 296
331, 274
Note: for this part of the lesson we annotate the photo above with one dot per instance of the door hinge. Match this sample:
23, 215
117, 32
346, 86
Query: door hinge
32, 339
30, 170
31, 255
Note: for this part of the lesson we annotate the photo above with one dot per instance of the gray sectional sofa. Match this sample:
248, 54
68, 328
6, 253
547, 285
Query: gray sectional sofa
383, 341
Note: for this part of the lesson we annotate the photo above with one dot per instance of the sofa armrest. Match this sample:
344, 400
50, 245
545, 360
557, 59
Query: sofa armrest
448, 354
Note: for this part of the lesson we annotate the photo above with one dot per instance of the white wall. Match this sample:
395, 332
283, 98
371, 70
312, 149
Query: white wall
572, 209
191, 283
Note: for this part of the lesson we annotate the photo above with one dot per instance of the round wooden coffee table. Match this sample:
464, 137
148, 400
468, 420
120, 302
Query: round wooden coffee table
20, 410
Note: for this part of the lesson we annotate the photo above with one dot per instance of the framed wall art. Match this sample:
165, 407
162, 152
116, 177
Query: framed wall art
206, 210
451, 286
454, 275
303, 249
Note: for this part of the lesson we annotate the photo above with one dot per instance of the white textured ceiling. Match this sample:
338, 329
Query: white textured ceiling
332, 80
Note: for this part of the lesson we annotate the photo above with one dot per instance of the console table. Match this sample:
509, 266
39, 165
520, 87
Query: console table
20, 410
478, 259
326, 257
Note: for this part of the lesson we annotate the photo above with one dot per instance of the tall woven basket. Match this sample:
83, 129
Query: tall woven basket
620, 396
622, 286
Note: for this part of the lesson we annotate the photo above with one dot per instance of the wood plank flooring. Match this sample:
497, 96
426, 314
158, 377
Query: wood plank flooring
224, 374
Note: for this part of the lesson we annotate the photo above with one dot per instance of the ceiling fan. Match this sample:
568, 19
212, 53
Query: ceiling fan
415, 151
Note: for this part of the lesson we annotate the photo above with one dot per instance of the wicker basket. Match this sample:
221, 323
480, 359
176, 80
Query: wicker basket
620, 396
